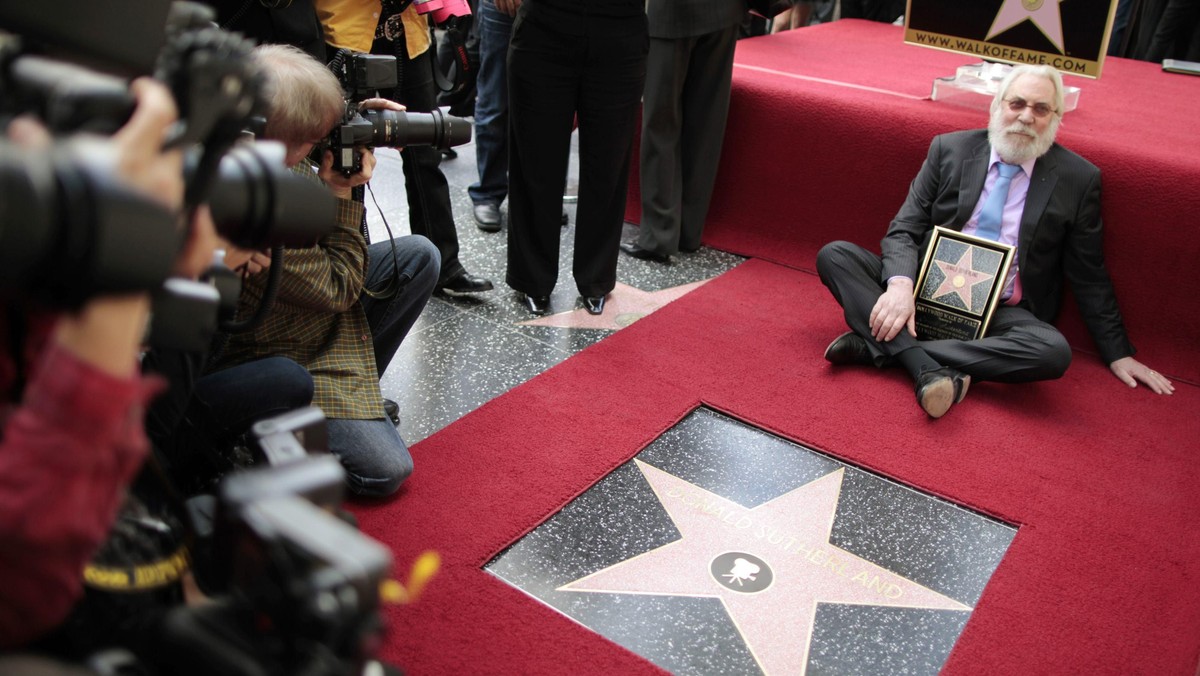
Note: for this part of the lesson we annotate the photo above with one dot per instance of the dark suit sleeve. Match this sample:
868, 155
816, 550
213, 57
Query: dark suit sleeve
1083, 266
901, 246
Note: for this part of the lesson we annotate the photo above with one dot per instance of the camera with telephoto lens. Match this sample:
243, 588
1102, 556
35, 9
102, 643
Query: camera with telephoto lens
68, 230
361, 75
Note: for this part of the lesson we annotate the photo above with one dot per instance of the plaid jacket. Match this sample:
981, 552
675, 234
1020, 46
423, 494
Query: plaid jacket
317, 320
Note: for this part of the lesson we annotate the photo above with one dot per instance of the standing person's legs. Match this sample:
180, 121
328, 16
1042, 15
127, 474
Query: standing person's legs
374, 456
428, 192
661, 172
491, 107
609, 97
414, 269
543, 84
705, 110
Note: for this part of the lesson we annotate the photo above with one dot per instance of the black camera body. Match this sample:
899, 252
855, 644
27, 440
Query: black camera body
361, 76
296, 588
69, 230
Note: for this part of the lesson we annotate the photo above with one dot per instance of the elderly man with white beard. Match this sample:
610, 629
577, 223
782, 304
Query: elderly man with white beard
1051, 215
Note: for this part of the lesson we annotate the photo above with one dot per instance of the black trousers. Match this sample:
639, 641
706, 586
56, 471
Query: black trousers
428, 192
683, 128
1018, 346
593, 68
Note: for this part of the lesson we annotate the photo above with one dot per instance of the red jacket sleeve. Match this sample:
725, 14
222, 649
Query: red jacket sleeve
66, 456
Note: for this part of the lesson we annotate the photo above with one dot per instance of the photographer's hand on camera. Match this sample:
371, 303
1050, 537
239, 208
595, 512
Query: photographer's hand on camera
340, 184
246, 260
76, 439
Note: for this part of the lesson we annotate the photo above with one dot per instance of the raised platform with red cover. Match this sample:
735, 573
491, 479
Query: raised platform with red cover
829, 124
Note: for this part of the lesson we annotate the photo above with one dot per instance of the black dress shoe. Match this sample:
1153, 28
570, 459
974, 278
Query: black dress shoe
487, 217
849, 349
593, 304
565, 218
638, 252
938, 389
464, 283
538, 305
392, 409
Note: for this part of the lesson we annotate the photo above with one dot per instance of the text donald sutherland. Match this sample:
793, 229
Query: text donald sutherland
827, 557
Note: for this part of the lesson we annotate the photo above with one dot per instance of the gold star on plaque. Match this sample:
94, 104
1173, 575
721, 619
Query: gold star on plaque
770, 566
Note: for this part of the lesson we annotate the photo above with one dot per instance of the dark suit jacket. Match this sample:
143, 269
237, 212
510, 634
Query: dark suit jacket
673, 19
1061, 231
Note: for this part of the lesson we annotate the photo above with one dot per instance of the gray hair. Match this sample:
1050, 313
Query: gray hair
1045, 72
304, 97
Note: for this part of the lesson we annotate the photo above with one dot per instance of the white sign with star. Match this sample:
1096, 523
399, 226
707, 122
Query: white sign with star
1044, 14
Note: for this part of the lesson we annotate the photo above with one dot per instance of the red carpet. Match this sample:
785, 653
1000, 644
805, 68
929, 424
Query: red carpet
828, 125
1103, 481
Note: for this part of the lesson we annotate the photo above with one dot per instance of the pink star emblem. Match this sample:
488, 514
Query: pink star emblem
961, 278
624, 306
770, 566
1044, 14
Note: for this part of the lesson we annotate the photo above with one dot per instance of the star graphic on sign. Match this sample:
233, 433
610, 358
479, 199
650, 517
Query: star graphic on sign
961, 277
770, 566
624, 306
1044, 14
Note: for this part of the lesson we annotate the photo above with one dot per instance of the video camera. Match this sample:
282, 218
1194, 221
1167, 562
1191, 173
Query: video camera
68, 231
361, 76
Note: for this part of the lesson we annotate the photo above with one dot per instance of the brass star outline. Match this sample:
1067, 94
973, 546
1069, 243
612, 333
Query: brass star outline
791, 534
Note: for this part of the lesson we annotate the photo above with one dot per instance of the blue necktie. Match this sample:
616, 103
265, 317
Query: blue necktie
990, 217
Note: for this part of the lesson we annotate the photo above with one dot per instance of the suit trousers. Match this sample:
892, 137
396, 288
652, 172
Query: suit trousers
1018, 347
555, 75
684, 110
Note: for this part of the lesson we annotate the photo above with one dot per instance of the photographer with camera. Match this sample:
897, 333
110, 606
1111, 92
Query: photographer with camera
72, 398
400, 29
343, 307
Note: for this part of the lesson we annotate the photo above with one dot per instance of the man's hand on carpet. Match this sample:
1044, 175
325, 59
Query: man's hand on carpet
1130, 371
895, 310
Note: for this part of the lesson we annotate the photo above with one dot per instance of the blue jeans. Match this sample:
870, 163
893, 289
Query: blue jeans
491, 106
231, 400
416, 266
374, 456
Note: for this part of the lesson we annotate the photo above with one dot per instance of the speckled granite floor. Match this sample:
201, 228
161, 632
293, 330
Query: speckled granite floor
467, 350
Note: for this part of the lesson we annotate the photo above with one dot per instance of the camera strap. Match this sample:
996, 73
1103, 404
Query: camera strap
460, 72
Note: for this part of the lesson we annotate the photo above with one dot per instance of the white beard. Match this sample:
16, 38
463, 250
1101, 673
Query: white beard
1018, 143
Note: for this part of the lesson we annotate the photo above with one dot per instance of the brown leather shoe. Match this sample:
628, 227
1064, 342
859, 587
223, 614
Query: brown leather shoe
849, 349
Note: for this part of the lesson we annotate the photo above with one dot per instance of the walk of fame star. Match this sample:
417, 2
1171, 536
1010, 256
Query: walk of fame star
961, 278
770, 566
625, 305
1044, 14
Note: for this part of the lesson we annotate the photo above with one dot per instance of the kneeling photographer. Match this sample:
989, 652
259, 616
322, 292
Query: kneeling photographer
342, 307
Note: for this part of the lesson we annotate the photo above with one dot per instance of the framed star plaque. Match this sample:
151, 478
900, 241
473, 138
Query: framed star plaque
1071, 37
960, 284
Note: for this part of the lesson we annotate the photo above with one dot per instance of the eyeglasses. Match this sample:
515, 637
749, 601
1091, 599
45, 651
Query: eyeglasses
1039, 109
